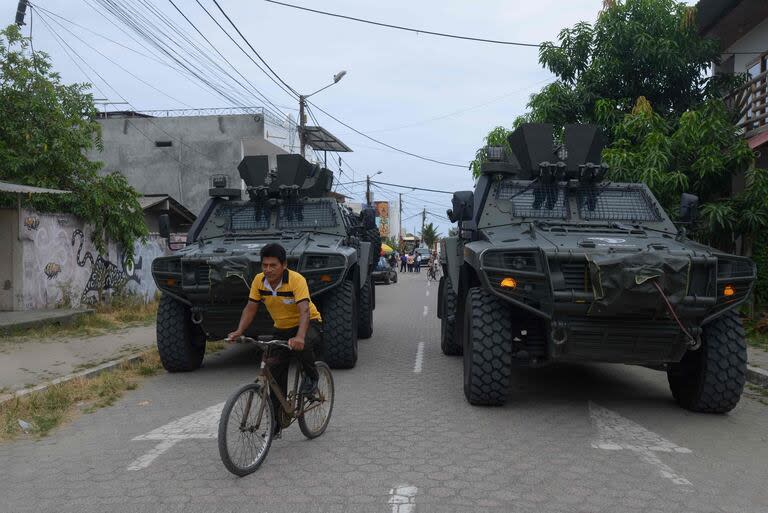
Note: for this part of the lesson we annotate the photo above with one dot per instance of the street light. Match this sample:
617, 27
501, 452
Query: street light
368, 186
302, 104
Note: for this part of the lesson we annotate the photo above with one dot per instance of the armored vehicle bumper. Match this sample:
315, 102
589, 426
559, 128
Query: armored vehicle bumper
216, 287
638, 307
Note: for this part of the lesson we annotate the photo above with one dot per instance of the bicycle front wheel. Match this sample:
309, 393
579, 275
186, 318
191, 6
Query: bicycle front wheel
317, 410
246, 429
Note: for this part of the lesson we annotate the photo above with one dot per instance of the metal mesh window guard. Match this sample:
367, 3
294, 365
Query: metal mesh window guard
245, 217
598, 203
540, 201
321, 214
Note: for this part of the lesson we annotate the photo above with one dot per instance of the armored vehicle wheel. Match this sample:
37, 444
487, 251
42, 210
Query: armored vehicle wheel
448, 342
487, 349
365, 311
340, 326
711, 379
180, 343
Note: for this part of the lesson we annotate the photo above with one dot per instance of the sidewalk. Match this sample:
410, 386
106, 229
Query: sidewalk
757, 357
31, 318
31, 362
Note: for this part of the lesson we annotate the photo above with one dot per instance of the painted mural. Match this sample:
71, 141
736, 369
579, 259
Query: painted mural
62, 266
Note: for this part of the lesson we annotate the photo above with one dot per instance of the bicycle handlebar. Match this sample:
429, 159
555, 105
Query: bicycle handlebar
274, 343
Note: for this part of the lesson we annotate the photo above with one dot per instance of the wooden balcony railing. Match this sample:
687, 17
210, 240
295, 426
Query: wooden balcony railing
749, 101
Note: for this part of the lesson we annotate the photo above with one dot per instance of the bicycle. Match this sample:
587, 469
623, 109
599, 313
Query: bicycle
247, 424
433, 273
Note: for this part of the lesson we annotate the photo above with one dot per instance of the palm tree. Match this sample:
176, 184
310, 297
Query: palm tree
429, 236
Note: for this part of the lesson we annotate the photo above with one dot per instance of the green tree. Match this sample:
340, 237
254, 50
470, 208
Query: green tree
430, 236
698, 152
635, 48
46, 127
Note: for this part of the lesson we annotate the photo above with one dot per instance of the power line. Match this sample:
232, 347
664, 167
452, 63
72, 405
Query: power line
399, 150
254, 88
253, 49
412, 187
409, 29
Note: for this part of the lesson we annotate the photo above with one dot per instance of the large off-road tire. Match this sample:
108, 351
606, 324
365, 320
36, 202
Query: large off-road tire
365, 311
447, 297
340, 326
711, 379
487, 349
180, 343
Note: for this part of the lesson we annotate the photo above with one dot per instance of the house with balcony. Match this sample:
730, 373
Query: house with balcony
741, 27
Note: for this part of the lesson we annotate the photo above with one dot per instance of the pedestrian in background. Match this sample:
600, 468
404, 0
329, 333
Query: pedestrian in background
410, 262
417, 262
403, 262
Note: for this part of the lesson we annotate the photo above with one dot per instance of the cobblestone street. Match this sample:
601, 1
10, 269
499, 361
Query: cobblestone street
403, 439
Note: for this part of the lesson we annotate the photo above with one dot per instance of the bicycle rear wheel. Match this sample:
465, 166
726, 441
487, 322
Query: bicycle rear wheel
318, 410
246, 430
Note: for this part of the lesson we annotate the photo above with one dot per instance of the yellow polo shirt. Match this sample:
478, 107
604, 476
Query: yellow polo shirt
282, 302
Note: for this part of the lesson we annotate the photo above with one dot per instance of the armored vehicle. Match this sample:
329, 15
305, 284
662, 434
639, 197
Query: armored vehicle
206, 284
554, 263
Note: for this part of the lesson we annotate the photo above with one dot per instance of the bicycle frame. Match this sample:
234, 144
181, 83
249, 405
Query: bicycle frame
264, 375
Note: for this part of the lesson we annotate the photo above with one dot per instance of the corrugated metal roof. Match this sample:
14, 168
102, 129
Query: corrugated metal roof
28, 189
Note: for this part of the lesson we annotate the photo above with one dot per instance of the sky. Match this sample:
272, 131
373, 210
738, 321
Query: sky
433, 96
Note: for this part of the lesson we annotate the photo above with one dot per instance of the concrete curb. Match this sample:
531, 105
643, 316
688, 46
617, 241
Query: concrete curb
757, 376
93, 371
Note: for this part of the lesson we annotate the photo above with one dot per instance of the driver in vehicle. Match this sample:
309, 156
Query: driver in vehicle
286, 295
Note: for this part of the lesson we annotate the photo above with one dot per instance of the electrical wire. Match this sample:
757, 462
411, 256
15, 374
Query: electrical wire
411, 187
253, 87
253, 49
409, 29
399, 150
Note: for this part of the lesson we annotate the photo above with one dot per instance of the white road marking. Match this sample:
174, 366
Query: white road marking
419, 358
403, 498
616, 433
426, 309
203, 424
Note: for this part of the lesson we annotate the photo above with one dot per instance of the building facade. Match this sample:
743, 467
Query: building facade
176, 153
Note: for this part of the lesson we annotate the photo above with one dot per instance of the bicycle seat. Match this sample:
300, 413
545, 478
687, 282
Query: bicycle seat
265, 338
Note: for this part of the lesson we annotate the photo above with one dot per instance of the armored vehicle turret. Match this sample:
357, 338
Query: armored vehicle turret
554, 263
205, 285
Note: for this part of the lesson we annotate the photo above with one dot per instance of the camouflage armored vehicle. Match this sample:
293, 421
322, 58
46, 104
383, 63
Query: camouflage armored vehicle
205, 285
554, 263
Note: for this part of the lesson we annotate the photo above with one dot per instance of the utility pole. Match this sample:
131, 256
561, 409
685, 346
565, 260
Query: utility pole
400, 221
302, 122
423, 220
368, 189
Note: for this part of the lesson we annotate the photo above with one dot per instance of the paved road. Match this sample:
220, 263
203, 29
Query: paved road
575, 438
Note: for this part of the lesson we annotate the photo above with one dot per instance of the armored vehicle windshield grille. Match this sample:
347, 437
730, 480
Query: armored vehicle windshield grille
299, 215
597, 203
244, 217
540, 201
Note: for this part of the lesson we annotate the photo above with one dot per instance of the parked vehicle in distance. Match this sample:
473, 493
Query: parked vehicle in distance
384, 273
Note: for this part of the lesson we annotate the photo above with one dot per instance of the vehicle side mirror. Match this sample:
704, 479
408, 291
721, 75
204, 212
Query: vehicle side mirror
689, 208
164, 226
451, 217
463, 203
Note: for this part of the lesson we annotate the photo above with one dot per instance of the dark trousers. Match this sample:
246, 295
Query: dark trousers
313, 345
402, 267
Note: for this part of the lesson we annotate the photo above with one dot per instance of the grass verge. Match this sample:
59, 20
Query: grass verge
121, 312
57, 404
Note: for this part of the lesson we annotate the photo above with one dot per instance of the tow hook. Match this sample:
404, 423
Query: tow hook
559, 333
197, 317
694, 342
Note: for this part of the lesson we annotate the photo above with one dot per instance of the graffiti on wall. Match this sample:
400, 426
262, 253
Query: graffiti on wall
61, 264
105, 275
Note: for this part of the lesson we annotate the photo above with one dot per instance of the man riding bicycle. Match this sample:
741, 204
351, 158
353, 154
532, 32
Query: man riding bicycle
286, 295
